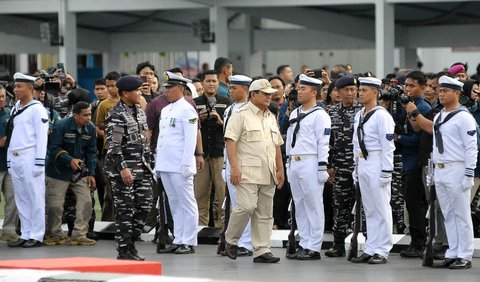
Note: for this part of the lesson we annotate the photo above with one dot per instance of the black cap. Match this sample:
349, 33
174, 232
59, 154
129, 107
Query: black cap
344, 81
129, 83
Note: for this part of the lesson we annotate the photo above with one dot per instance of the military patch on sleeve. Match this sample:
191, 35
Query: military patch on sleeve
327, 131
471, 132
44, 120
192, 120
389, 137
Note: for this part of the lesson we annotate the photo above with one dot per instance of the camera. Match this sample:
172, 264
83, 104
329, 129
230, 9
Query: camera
211, 102
395, 93
49, 85
79, 174
292, 98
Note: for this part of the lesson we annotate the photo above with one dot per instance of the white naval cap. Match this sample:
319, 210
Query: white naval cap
262, 85
310, 81
20, 77
192, 89
170, 79
452, 83
240, 79
370, 81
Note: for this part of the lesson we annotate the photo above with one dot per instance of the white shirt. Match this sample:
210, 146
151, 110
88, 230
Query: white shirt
459, 137
378, 136
30, 130
313, 137
177, 138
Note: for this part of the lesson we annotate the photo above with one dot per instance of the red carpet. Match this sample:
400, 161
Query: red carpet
85, 264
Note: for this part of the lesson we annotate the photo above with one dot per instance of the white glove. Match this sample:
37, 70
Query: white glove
38, 170
467, 183
322, 176
187, 171
385, 179
355, 175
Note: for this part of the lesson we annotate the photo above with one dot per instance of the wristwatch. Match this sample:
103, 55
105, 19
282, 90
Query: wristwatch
415, 113
199, 154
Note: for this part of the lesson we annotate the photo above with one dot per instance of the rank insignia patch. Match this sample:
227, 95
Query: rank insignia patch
192, 121
44, 120
327, 131
471, 132
389, 137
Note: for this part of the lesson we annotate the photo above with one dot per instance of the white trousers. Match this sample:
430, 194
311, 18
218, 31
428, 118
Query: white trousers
307, 194
376, 204
246, 238
455, 204
29, 193
183, 205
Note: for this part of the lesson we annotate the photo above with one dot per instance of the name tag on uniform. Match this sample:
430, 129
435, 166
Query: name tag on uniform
70, 135
224, 106
86, 137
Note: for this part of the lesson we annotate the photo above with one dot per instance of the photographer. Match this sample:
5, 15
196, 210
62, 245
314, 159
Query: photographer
415, 197
71, 165
211, 108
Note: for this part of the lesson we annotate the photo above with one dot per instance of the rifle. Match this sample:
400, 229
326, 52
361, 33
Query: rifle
221, 239
292, 243
428, 254
161, 233
353, 251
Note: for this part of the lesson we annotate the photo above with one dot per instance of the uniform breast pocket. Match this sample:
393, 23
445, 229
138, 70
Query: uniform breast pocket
70, 144
254, 133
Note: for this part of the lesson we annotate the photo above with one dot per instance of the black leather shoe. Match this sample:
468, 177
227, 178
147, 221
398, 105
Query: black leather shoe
309, 255
244, 252
32, 243
231, 251
364, 258
336, 251
17, 244
461, 264
185, 249
444, 263
377, 259
266, 258
169, 250
296, 254
126, 255
412, 252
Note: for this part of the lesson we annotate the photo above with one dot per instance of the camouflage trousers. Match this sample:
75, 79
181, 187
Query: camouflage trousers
132, 205
397, 201
343, 201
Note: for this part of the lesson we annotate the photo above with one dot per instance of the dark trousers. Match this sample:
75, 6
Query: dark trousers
416, 203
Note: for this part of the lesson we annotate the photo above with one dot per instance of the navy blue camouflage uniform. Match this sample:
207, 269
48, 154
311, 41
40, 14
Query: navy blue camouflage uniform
127, 148
341, 159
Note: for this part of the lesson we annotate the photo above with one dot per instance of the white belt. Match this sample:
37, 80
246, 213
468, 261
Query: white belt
370, 154
301, 157
444, 165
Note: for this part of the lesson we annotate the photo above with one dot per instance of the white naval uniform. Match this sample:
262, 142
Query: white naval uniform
175, 162
26, 161
460, 152
246, 238
311, 148
378, 138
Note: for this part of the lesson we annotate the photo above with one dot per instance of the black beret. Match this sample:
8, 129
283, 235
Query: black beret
129, 83
78, 94
347, 80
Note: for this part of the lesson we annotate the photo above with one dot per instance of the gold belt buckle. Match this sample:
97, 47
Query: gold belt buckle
361, 155
441, 165
297, 158
16, 154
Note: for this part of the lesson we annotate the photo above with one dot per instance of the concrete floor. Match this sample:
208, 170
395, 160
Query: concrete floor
205, 264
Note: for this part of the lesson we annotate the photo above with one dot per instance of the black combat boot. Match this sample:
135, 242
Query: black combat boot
134, 252
337, 250
124, 253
